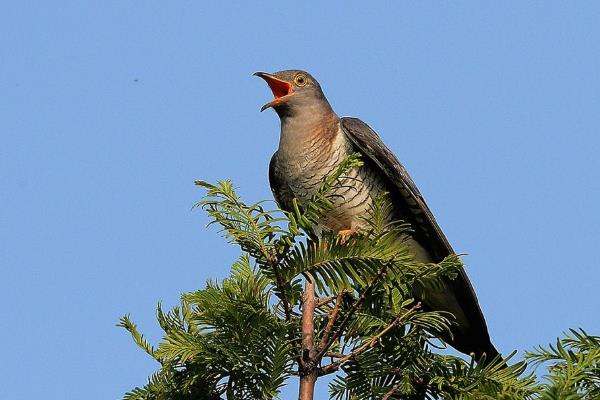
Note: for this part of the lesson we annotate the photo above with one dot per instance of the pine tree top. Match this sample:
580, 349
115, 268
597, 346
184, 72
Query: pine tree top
244, 337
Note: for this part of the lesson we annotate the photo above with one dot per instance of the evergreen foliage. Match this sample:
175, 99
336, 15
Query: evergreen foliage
242, 338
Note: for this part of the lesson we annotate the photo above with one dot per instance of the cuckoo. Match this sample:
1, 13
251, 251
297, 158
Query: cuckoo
313, 141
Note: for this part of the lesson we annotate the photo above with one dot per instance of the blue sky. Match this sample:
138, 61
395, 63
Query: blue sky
109, 110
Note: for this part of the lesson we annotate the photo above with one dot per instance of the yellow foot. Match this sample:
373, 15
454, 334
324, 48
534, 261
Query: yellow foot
344, 235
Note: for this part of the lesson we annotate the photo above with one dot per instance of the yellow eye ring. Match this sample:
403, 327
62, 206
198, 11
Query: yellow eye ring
300, 80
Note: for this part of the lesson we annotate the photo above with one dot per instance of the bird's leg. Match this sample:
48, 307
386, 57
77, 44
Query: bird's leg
344, 235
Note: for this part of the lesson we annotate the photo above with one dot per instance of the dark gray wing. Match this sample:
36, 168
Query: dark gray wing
415, 209
411, 205
281, 191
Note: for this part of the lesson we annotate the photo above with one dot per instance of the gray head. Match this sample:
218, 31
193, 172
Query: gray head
297, 94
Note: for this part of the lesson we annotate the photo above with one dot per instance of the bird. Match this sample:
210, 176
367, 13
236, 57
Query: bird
313, 141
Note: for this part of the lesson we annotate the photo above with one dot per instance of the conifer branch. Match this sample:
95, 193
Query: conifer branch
331, 320
328, 369
351, 311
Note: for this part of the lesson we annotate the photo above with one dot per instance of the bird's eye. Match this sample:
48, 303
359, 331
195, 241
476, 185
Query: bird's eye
300, 80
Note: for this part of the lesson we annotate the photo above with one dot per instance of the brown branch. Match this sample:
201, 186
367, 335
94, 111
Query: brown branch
322, 301
307, 366
281, 287
350, 313
368, 345
332, 317
393, 390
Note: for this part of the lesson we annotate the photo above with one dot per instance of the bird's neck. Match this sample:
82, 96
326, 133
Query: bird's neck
306, 130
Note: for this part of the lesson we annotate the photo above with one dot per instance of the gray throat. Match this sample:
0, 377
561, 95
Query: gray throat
308, 142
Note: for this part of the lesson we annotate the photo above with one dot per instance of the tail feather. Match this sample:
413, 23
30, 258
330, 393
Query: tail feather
489, 355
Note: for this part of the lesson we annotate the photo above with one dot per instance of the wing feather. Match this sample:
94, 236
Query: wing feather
413, 208
369, 143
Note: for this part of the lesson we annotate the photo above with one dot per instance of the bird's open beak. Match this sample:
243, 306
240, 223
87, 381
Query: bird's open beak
280, 89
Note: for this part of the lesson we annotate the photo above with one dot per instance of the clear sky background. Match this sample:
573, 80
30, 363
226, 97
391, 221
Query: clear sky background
110, 109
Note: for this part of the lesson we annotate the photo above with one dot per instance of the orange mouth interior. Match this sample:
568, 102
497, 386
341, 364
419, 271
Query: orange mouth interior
278, 87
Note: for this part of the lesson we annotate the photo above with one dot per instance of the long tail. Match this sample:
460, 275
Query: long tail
489, 355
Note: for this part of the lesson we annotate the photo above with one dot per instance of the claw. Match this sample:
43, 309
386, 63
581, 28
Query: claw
344, 235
